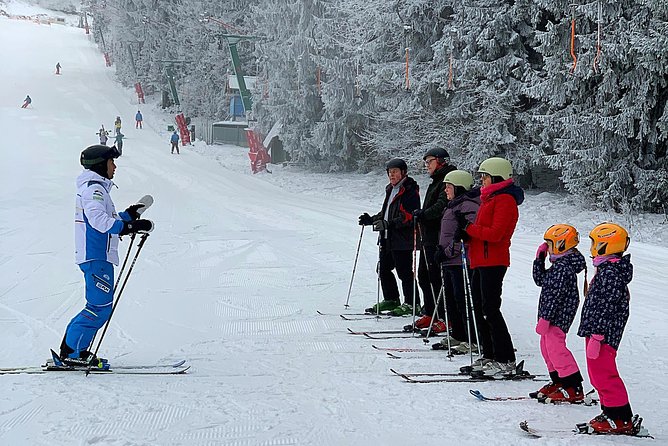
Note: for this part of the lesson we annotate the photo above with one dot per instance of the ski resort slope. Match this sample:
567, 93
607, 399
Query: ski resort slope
231, 279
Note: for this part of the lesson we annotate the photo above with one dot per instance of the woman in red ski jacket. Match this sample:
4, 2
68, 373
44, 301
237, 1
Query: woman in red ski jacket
489, 257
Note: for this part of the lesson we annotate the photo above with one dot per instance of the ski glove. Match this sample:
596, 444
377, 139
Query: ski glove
594, 346
365, 220
462, 222
130, 227
381, 225
418, 214
542, 326
541, 253
133, 210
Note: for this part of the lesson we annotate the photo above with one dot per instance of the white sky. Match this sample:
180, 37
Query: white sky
231, 279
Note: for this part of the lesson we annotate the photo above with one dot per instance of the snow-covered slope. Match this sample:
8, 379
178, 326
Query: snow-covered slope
231, 279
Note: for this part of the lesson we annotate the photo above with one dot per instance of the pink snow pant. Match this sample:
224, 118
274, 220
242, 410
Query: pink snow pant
605, 378
557, 356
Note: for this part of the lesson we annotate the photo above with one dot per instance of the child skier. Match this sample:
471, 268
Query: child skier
558, 303
604, 315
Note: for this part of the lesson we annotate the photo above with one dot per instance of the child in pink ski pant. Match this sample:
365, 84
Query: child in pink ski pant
557, 306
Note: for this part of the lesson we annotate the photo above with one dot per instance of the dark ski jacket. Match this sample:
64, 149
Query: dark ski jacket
468, 204
606, 307
559, 296
489, 243
435, 201
400, 234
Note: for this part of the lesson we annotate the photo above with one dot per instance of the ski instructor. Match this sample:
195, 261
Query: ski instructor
97, 227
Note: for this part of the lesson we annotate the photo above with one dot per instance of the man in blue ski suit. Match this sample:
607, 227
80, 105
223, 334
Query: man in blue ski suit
97, 230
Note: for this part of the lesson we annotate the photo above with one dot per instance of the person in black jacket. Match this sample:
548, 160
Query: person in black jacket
396, 239
428, 219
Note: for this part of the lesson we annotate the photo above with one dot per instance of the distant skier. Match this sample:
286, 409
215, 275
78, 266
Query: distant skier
139, 119
175, 142
558, 303
104, 135
58, 68
604, 315
117, 125
119, 142
97, 231
26, 102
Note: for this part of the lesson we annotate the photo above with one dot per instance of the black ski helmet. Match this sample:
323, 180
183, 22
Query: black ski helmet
396, 163
97, 154
437, 152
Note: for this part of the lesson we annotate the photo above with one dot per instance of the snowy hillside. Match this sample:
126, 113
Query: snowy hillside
231, 280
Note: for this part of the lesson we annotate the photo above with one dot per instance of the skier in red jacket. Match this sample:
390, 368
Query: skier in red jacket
489, 256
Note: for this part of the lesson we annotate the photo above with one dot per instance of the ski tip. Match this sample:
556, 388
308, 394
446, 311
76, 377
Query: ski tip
320, 312
477, 394
377, 348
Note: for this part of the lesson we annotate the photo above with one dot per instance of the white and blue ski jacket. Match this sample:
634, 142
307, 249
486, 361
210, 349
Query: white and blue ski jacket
96, 223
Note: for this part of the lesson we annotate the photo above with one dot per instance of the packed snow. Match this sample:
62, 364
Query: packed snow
231, 279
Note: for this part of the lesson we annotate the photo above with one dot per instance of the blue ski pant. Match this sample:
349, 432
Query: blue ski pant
99, 278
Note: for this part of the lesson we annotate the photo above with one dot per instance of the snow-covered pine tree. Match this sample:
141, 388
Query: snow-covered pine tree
606, 116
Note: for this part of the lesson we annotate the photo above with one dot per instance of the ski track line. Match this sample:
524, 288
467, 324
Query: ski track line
22, 415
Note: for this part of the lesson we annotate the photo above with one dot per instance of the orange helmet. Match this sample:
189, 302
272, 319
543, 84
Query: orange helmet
560, 238
608, 238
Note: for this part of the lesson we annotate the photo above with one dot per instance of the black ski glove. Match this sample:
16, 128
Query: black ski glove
418, 214
136, 226
133, 210
365, 220
439, 255
462, 222
381, 225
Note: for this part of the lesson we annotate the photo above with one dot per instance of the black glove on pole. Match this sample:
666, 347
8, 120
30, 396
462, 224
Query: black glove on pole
134, 210
365, 220
140, 225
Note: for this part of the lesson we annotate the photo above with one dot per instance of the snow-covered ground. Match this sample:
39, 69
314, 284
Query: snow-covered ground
231, 279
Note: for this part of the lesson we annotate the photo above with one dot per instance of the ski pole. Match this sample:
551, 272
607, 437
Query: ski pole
436, 299
359, 244
469, 301
120, 292
380, 253
445, 306
120, 273
415, 290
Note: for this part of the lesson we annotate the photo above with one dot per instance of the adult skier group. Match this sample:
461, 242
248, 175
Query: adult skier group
463, 234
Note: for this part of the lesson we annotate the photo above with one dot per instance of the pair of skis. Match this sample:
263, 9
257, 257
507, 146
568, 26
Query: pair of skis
419, 378
583, 429
359, 316
175, 368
